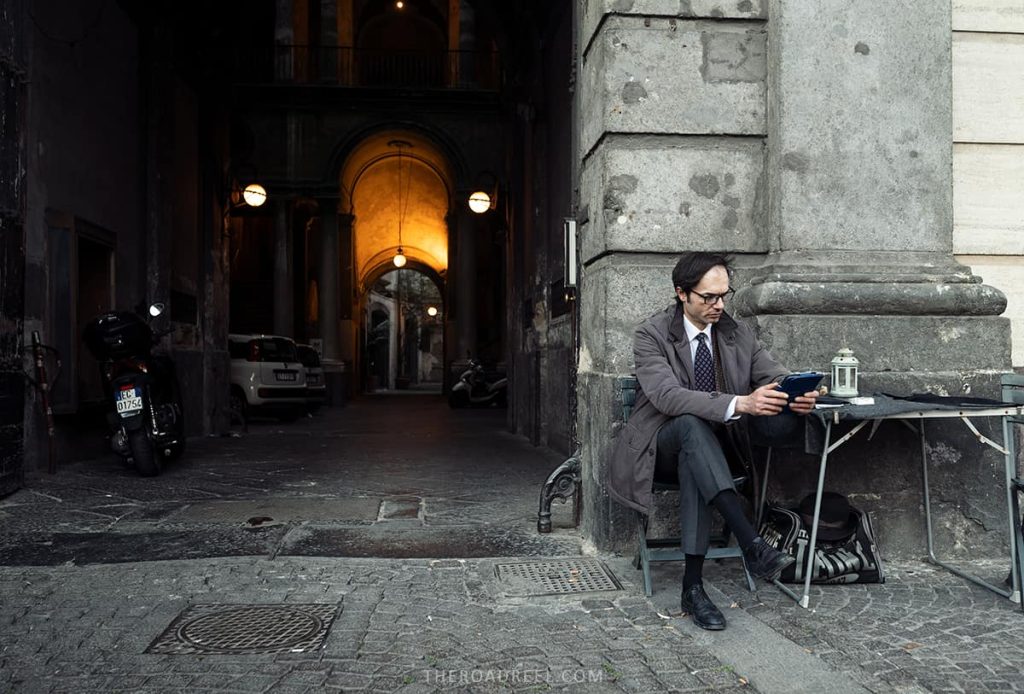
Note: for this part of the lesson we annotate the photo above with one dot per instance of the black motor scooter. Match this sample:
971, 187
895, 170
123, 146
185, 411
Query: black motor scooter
474, 390
147, 419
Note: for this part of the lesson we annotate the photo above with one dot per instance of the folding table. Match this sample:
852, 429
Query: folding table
906, 411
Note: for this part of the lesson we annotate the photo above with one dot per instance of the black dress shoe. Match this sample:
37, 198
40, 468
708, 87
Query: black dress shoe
764, 561
696, 602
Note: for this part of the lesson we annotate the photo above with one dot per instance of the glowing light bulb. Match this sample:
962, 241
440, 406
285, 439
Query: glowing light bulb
399, 260
432, 311
479, 202
254, 195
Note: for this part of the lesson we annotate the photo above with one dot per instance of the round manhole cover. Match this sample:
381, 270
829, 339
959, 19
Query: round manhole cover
249, 629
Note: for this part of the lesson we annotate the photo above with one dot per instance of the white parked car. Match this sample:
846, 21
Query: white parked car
266, 376
316, 387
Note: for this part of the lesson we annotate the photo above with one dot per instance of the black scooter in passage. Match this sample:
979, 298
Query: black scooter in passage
147, 421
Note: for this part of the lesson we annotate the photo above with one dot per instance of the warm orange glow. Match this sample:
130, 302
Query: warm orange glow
399, 4
376, 212
399, 260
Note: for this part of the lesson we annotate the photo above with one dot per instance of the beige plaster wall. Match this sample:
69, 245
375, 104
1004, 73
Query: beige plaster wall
988, 149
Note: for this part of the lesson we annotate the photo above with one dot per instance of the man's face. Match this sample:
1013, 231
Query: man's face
714, 281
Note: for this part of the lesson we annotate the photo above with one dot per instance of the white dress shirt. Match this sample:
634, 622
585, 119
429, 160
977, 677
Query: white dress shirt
692, 331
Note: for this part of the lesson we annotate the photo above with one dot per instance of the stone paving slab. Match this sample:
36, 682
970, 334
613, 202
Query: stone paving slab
282, 509
48, 549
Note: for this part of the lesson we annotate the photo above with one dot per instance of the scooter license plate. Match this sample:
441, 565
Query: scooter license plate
129, 401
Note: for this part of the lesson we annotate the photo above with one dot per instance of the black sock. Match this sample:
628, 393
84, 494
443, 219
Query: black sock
728, 504
694, 571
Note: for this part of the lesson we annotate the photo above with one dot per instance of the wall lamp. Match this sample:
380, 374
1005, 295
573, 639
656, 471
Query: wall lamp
252, 195
485, 195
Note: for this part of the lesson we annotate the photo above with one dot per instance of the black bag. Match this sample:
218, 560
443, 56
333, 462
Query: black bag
853, 559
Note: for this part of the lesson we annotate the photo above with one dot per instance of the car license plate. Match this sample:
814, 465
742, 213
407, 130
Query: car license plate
312, 379
129, 401
286, 375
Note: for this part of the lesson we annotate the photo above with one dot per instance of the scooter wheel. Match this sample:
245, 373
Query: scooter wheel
147, 459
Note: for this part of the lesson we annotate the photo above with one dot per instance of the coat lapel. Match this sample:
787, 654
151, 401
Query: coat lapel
677, 333
725, 341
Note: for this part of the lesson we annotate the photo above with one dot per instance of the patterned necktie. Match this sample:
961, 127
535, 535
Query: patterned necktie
703, 366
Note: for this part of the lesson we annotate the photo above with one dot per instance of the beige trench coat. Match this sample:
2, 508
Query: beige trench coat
664, 369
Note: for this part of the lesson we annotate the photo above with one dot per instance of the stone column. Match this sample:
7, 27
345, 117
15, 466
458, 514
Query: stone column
860, 238
860, 168
467, 43
328, 40
284, 300
328, 296
348, 312
284, 38
465, 284
346, 41
454, 38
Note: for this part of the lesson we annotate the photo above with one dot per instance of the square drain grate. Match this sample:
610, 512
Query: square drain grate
244, 629
557, 577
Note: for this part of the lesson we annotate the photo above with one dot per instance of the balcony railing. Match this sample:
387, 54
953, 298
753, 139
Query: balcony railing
364, 67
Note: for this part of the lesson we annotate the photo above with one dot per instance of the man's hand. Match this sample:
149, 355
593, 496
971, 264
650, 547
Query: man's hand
766, 400
804, 404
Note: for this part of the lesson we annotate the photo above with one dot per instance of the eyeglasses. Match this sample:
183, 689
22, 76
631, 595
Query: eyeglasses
712, 299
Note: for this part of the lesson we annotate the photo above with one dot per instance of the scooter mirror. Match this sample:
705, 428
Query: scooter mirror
156, 309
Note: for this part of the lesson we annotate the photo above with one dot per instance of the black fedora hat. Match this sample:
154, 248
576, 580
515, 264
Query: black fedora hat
837, 520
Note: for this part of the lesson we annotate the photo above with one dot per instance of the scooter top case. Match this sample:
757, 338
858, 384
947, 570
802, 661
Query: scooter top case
118, 334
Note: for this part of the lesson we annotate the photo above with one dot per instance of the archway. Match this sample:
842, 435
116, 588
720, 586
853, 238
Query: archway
396, 187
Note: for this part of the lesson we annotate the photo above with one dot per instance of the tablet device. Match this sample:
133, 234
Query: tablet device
798, 384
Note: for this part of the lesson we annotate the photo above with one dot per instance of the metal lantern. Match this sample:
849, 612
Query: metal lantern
844, 374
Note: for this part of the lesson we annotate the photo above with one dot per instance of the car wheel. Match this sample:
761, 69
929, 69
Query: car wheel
238, 407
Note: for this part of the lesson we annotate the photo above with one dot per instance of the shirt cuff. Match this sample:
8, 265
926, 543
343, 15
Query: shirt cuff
730, 412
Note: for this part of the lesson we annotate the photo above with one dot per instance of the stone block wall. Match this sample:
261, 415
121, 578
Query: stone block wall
811, 140
672, 157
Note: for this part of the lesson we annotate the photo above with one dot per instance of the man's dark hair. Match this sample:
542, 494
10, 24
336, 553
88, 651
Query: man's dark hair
693, 265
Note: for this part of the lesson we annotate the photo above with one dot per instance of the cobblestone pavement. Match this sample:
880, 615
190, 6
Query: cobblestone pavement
405, 626
96, 563
924, 629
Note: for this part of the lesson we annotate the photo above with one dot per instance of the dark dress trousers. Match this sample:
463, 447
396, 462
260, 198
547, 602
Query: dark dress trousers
670, 420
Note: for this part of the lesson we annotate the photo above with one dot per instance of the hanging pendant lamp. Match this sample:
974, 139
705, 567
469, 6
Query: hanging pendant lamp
400, 260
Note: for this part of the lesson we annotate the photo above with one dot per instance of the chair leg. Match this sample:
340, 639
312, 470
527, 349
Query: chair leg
751, 586
759, 516
643, 556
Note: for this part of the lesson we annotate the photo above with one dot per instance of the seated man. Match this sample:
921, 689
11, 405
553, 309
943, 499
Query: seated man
700, 372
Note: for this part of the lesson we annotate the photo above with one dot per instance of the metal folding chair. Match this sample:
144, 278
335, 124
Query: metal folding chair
670, 548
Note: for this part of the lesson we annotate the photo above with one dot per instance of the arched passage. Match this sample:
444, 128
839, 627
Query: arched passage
396, 187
